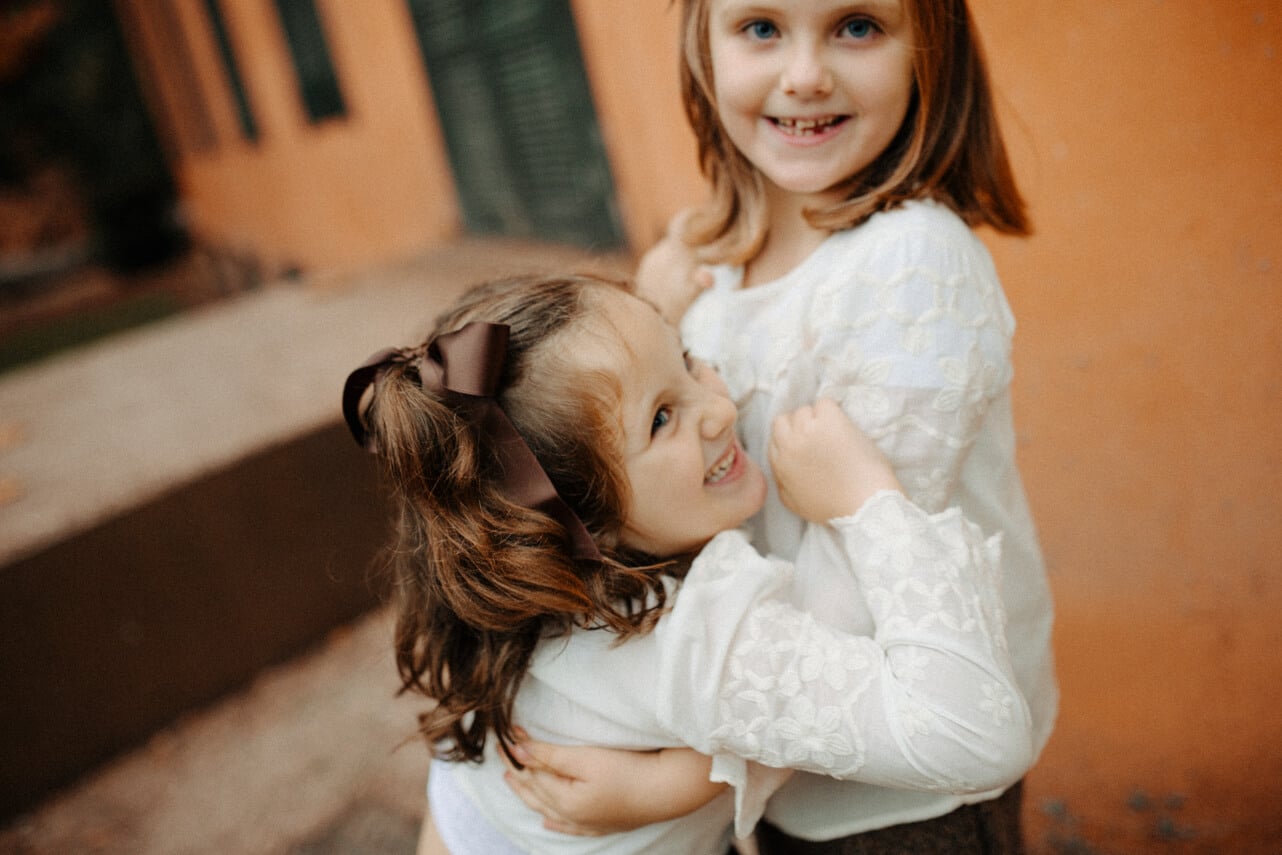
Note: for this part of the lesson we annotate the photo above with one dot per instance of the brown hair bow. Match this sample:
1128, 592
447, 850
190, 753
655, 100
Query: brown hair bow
468, 362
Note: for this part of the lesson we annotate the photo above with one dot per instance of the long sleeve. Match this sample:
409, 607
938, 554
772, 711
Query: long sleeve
927, 702
914, 341
735, 670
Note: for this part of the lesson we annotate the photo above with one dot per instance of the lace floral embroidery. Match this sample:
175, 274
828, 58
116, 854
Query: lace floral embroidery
794, 693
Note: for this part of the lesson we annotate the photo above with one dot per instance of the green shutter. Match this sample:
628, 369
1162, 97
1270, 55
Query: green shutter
510, 88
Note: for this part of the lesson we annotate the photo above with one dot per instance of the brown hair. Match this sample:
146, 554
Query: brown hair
481, 580
949, 147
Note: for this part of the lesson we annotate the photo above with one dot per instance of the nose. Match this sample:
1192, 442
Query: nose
717, 416
805, 74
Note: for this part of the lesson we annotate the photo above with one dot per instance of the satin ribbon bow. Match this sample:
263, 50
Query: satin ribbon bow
469, 362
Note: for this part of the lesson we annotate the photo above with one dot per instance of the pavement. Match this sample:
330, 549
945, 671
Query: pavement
317, 755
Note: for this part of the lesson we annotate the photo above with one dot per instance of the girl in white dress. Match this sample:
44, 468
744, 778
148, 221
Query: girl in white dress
570, 489
851, 147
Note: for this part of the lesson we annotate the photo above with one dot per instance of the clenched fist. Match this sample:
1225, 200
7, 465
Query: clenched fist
824, 465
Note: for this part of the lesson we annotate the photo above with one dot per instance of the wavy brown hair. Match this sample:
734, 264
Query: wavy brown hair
949, 147
479, 580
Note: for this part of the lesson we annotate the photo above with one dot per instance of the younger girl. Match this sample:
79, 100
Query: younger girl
569, 484
850, 145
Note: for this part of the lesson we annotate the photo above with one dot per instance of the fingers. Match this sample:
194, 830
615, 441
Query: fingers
787, 426
544, 757
541, 791
823, 413
521, 784
677, 223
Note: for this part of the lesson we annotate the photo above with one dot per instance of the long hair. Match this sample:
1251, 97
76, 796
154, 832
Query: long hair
481, 580
948, 148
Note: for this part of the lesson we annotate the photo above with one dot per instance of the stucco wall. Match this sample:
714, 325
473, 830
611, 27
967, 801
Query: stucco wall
630, 51
1148, 361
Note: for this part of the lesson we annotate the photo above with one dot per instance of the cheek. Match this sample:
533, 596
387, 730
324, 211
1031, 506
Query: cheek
900, 85
734, 81
759, 486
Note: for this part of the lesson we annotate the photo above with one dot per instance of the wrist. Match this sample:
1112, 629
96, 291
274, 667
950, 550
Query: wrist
867, 497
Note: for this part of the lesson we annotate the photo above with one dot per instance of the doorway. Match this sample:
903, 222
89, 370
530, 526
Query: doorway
514, 104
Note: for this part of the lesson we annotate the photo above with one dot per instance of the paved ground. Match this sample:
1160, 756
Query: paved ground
317, 756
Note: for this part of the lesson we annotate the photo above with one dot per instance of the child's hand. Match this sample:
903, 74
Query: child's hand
593, 791
669, 275
824, 465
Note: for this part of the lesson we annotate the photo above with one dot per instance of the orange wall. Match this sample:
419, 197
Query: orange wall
1149, 361
333, 195
630, 52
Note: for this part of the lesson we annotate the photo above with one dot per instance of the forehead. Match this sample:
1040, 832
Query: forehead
638, 353
619, 333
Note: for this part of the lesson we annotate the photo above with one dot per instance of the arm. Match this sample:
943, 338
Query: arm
669, 275
826, 468
591, 791
798, 694
928, 702
916, 348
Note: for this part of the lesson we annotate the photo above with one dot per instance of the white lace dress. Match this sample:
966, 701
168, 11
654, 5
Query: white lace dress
903, 321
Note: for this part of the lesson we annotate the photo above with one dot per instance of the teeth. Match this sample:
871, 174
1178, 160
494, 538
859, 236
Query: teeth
723, 466
805, 127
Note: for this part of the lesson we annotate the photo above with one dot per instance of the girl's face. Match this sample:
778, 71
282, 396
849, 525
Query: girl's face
810, 91
688, 475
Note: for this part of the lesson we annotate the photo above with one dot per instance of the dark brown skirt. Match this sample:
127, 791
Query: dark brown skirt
986, 828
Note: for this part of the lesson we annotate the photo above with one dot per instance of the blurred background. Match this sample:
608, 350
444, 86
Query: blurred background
210, 210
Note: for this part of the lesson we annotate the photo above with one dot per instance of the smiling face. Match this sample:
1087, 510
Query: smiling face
811, 92
689, 477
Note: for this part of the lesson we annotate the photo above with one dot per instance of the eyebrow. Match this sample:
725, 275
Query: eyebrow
741, 8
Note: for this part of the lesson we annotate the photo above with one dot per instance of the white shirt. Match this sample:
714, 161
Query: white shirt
903, 321
925, 698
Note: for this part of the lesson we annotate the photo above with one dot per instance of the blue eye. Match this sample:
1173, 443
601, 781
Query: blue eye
761, 29
859, 28
661, 418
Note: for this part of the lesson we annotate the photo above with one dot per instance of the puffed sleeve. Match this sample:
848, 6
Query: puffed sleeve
913, 338
928, 702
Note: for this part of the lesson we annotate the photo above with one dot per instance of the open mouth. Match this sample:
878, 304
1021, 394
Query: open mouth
807, 127
722, 466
